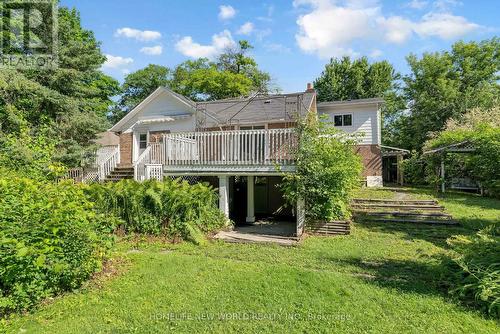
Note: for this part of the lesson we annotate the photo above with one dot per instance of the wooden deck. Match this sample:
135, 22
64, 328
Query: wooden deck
204, 153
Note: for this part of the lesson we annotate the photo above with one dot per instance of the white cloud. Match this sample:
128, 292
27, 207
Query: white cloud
116, 61
376, 54
445, 26
417, 4
226, 12
330, 27
246, 29
126, 71
396, 29
153, 50
220, 42
140, 35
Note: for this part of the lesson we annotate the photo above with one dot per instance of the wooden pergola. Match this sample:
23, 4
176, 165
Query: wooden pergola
464, 147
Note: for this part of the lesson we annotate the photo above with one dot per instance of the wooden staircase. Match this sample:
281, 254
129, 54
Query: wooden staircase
401, 211
120, 173
329, 228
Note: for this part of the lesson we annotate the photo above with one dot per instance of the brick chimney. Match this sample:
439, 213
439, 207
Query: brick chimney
310, 88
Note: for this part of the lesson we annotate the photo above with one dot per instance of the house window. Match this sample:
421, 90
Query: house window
342, 120
143, 141
253, 127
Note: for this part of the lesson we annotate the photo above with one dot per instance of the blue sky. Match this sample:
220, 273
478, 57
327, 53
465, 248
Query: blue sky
293, 39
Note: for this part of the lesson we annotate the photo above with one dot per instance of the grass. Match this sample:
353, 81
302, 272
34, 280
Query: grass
470, 210
382, 278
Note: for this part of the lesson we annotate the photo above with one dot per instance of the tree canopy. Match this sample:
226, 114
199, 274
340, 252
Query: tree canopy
66, 105
444, 86
233, 74
346, 79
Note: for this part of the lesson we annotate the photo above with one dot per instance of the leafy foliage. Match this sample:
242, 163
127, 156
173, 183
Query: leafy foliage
233, 74
480, 128
138, 86
72, 100
327, 172
477, 269
174, 208
444, 86
50, 241
346, 79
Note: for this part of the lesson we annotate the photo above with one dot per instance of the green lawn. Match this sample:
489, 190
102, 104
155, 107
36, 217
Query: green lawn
382, 278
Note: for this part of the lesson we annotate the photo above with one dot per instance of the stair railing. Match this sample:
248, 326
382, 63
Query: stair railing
140, 164
108, 163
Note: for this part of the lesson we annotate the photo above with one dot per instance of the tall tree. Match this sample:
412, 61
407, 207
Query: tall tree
138, 86
68, 103
233, 74
346, 79
236, 60
444, 86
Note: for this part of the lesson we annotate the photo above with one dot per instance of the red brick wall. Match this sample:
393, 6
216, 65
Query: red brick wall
126, 149
282, 125
372, 159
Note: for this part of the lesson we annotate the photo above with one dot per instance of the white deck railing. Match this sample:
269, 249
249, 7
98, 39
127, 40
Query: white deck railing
237, 147
141, 163
107, 162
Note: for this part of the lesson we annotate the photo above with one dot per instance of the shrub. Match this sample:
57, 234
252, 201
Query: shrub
170, 207
328, 170
480, 128
413, 170
477, 269
48, 241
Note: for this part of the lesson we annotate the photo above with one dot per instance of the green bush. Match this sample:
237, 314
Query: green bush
170, 207
413, 170
476, 269
49, 241
328, 170
481, 129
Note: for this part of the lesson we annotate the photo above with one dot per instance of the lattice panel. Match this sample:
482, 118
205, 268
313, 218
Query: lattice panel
191, 179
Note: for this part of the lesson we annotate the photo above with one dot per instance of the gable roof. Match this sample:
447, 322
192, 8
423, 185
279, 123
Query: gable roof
118, 126
260, 108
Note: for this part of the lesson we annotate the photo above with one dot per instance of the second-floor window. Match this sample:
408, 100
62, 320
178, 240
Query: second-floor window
342, 120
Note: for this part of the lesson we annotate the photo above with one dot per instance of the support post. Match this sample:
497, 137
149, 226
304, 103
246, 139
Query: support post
301, 216
399, 170
443, 186
224, 194
250, 199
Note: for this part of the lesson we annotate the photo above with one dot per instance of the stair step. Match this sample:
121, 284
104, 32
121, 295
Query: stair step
398, 206
407, 214
382, 201
419, 221
328, 232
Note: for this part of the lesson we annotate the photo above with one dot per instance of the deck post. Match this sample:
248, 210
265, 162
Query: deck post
250, 199
443, 186
224, 194
301, 216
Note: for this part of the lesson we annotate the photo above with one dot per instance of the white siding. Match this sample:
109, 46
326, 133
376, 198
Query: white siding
365, 121
164, 105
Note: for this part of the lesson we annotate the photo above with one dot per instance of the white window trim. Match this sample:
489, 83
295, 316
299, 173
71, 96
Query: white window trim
343, 114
